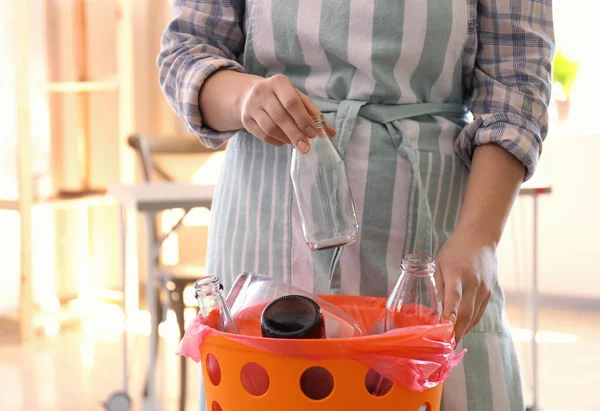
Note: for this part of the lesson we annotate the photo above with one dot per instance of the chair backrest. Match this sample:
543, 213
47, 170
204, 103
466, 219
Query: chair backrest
148, 146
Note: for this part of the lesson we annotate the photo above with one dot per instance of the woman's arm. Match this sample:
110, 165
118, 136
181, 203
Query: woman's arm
204, 37
493, 185
466, 262
206, 85
511, 91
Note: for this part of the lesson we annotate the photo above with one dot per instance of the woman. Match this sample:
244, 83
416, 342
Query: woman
395, 79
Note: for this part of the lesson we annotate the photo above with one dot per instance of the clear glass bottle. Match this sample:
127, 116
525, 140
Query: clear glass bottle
323, 193
213, 309
415, 299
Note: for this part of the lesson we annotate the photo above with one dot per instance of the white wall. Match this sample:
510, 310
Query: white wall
569, 218
569, 223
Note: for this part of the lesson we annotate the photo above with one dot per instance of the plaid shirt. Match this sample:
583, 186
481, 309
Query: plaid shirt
506, 68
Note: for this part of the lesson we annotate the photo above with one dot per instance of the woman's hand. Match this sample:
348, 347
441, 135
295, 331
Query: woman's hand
465, 264
464, 272
274, 111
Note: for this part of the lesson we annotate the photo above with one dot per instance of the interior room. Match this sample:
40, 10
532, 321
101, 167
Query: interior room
103, 187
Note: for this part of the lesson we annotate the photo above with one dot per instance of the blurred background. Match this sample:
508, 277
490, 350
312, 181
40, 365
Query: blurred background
82, 116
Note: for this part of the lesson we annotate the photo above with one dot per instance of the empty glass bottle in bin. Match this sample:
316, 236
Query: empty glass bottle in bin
323, 193
213, 309
415, 299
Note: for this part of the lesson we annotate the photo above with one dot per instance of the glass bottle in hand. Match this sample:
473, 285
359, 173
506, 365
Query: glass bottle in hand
213, 309
323, 193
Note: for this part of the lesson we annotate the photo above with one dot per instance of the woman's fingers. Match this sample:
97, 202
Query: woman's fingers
285, 122
452, 297
314, 111
459, 302
275, 111
465, 313
439, 284
330, 130
484, 299
311, 108
255, 129
465, 299
291, 101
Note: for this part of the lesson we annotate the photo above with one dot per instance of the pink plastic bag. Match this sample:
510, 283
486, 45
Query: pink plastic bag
416, 357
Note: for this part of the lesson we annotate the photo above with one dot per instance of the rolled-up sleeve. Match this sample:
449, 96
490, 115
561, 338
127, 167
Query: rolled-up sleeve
511, 80
204, 36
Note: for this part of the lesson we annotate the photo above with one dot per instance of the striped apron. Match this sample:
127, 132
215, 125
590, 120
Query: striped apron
387, 74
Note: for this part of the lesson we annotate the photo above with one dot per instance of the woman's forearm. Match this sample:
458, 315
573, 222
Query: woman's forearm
221, 99
494, 182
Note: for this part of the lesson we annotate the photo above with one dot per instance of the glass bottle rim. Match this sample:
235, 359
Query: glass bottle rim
207, 284
320, 122
418, 264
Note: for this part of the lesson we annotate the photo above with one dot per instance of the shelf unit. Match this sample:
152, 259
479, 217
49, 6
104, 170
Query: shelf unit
63, 203
86, 198
78, 86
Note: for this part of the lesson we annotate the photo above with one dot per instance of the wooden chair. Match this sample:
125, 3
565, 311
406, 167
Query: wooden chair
170, 281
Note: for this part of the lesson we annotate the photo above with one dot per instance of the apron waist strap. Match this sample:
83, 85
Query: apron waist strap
386, 113
344, 114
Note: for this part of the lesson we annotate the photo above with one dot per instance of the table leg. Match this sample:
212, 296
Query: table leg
534, 305
152, 306
123, 229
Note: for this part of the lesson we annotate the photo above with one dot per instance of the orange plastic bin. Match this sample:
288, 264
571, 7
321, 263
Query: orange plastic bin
239, 377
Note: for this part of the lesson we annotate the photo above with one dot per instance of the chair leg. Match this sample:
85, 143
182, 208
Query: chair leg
159, 315
179, 308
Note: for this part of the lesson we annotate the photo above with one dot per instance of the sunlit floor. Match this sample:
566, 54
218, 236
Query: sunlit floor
78, 369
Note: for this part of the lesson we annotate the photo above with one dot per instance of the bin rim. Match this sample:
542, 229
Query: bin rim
336, 300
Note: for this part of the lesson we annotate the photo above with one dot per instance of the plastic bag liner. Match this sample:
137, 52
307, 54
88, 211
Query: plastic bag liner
416, 357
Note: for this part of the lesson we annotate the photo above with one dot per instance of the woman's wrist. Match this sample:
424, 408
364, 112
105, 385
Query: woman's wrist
221, 99
485, 233
243, 86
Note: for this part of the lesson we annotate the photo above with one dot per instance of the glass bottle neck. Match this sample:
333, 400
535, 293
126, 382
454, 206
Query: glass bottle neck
320, 122
207, 286
418, 264
208, 293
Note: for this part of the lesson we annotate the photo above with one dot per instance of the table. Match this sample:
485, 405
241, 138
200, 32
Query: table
534, 189
149, 199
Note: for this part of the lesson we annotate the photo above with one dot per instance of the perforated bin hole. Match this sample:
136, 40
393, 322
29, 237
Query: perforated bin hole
213, 369
376, 384
216, 406
425, 407
255, 379
316, 383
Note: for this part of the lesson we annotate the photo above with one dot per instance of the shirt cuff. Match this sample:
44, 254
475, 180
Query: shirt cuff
513, 133
188, 99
